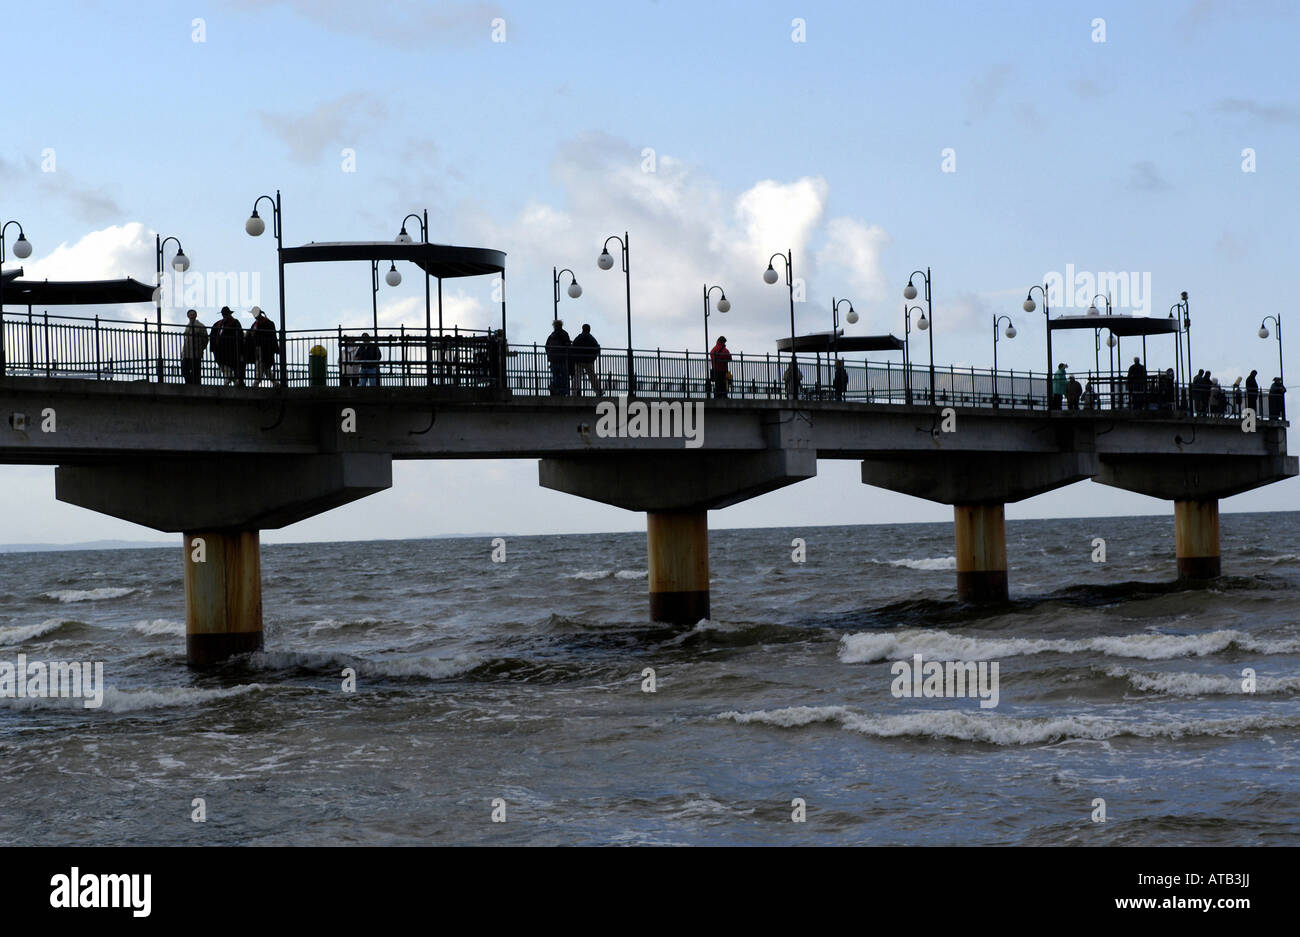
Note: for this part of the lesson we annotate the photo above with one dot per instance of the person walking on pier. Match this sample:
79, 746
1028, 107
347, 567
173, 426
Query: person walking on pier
193, 345
263, 346
1059, 382
1137, 384
369, 353
557, 355
1236, 396
719, 362
1218, 400
1276, 405
1252, 393
840, 383
348, 367
1197, 393
585, 350
793, 378
1073, 391
227, 343
1168, 396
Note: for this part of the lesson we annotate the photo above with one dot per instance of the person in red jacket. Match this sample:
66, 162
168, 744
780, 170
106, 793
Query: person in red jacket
719, 360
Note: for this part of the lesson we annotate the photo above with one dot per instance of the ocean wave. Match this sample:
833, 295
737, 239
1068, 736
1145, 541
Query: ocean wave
160, 626
1005, 730
17, 634
1181, 683
124, 701
334, 624
938, 562
588, 574
632, 574
434, 668
88, 595
868, 647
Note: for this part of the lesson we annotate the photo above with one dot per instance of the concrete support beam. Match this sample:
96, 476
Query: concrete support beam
215, 493
678, 546
978, 478
223, 595
1196, 538
677, 490
981, 535
1194, 477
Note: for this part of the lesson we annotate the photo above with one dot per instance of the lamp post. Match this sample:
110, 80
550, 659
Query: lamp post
1277, 327
851, 317
404, 238
605, 262
1047, 321
180, 263
1011, 333
907, 351
770, 277
927, 318
1096, 333
724, 306
22, 250
1111, 342
255, 226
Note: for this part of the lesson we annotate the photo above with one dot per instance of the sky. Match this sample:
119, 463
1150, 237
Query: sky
1153, 143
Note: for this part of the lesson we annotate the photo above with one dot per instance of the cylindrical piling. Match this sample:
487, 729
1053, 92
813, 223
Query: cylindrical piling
981, 535
223, 595
679, 565
1196, 537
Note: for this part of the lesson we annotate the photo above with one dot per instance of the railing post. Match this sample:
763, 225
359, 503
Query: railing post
46, 338
2, 342
97, 352
402, 338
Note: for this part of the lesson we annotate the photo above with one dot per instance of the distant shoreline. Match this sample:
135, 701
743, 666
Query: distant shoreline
100, 545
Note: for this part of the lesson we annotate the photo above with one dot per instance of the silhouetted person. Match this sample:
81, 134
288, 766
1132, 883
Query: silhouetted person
263, 345
227, 343
1236, 396
367, 354
1073, 391
1168, 396
719, 364
557, 354
793, 378
348, 367
1197, 394
1276, 405
1218, 399
841, 380
193, 345
584, 351
1252, 393
1137, 384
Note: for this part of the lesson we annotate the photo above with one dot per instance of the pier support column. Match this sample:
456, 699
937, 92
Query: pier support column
1196, 538
678, 547
223, 595
981, 534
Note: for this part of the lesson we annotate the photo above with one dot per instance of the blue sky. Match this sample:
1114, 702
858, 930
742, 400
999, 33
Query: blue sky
1115, 156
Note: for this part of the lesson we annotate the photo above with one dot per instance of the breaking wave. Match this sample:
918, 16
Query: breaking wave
88, 595
160, 626
17, 634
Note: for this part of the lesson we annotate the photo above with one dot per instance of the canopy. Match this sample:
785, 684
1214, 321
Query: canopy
13, 274
76, 292
1118, 325
439, 260
825, 341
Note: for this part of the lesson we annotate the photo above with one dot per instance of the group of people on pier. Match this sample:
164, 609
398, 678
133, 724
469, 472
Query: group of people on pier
233, 347
1203, 396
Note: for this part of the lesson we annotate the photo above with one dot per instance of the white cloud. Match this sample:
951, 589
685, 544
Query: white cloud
108, 254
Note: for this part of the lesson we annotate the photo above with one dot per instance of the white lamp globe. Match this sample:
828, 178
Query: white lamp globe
1011, 331
923, 323
909, 291
852, 317
1111, 342
575, 290
1092, 311
724, 305
254, 225
22, 247
769, 275
1029, 305
604, 261
1263, 331
403, 237
392, 277
180, 262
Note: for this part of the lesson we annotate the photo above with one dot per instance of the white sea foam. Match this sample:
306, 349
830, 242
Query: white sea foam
17, 634
159, 626
588, 574
88, 595
632, 574
123, 701
434, 668
1181, 683
938, 562
869, 646
1006, 730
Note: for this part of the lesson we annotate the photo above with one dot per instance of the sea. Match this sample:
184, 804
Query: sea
530, 701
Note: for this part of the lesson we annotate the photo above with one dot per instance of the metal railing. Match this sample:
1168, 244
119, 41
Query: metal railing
41, 345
